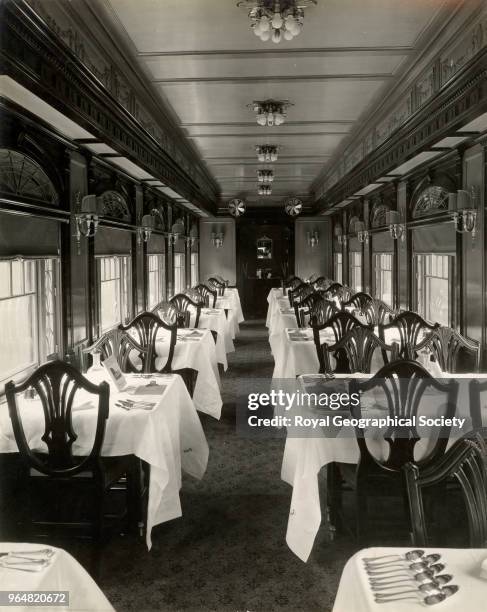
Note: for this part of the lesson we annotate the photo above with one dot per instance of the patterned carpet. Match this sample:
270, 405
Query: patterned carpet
228, 551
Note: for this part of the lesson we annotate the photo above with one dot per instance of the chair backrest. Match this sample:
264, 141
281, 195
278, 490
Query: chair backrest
217, 284
184, 304
297, 292
56, 384
340, 323
359, 301
402, 385
360, 345
169, 314
303, 307
109, 344
321, 311
465, 462
291, 283
410, 326
452, 351
339, 291
143, 330
208, 294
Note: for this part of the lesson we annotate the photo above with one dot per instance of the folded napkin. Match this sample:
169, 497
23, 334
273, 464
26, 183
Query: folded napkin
151, 389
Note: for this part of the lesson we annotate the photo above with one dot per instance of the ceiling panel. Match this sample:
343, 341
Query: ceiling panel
225, 67
313, 101
207, 66
175, 25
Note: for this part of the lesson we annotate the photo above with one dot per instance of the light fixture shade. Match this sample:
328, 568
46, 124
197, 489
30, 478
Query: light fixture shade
265, 36
359, 226
178, 227
293, 207
147, 222
90, 205
276, 36
194, 231
261, 119
288, 35
236, 207
265, 26
277, 20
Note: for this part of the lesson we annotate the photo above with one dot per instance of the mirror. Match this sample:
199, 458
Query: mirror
264, 248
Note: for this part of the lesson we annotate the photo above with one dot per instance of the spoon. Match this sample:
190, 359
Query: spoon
419, 566
429, 572
412, 555
439, 580
433, 558
429, 588
429, 599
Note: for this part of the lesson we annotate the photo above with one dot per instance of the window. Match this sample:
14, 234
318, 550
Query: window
29, 315
383, 277
179, 273
337, 267
433, 287
114, 291
356, 271
157, 280
194, 269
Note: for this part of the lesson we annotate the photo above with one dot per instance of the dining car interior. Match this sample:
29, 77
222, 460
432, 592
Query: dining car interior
243, 305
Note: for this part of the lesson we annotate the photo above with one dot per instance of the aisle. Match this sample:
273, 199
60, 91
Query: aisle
228, 551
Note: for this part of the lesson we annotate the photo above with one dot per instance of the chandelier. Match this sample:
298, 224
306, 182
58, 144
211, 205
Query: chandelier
274, 19
236, 207
265, 176
270, 112
267, 153
265, 190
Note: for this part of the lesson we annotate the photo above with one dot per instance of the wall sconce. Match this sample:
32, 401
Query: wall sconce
87, 218
217, 239
362, 233
313, 238
177, 232
193, 236
340, 236
463, 207
396, 228
144, 231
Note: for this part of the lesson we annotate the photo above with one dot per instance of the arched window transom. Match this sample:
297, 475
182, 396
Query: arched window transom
431, 200
21, 176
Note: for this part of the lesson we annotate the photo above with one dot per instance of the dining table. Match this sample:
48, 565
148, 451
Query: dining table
195, 349
463, 564
230, 302
62, 574
308, 450
166, 434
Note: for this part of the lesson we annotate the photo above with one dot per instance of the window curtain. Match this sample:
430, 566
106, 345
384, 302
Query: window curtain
111, 241
382, 242
28, 236
156, 244
354, 245
440, 238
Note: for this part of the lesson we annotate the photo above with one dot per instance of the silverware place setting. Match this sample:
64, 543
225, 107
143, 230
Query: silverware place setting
413, 575
27, 560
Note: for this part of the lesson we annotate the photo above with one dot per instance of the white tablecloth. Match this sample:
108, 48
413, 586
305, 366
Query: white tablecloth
306, 455
63, 574
275, 295
215, 320
169, 437
198, 353
230, 302
355, 595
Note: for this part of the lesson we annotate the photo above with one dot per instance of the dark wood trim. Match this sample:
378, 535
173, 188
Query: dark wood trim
33, 56
459, 102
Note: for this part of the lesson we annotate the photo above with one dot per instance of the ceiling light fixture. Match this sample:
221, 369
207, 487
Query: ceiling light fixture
265, 176
267, 153
265, 190
236, 207
293, 207
276, 19
270, 112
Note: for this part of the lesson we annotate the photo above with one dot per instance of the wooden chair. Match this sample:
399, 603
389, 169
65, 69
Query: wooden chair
209, 295
143, 330
300, 292
465, 464
360, 345
453, 352
340, 323
217, 285
169, 314
359, 301
184, 304
304, 307
410, 325
57, 475
141, 357
291, 283
321, 311
340, 291
322, 283
402, 384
